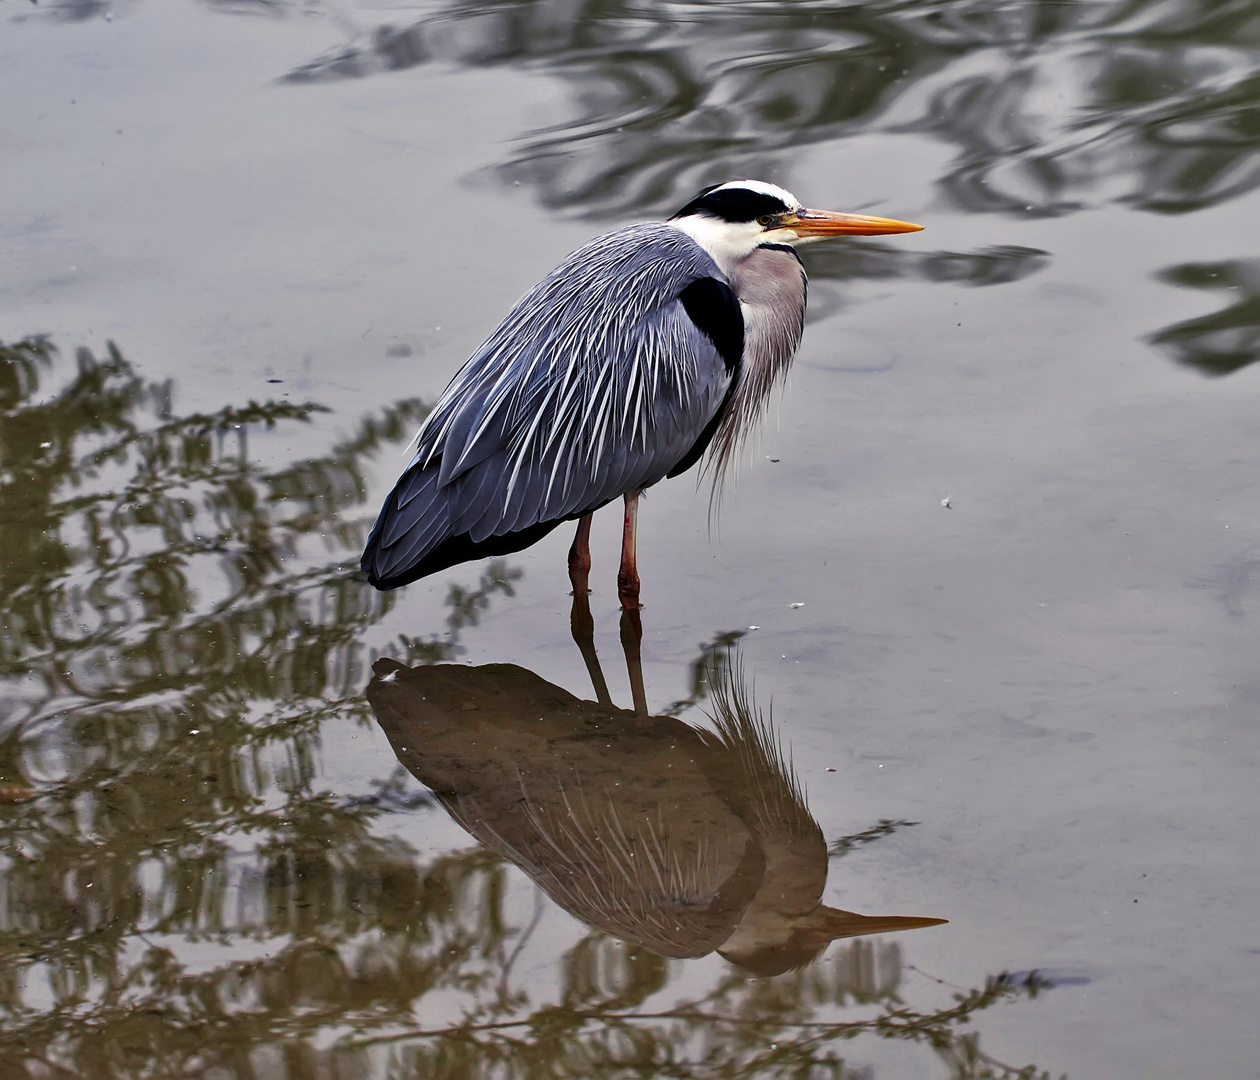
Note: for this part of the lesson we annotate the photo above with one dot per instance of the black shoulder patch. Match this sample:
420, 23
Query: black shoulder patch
714, 308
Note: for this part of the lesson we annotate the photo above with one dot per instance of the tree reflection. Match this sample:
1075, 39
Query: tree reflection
180, 623
1051, 105
742, 1029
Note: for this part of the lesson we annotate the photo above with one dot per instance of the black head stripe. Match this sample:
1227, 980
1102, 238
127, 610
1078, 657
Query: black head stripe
734, 204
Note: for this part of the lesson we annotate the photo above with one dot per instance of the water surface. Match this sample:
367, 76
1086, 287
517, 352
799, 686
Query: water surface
986, 585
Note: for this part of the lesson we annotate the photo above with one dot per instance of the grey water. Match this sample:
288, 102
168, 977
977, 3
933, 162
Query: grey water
973, 637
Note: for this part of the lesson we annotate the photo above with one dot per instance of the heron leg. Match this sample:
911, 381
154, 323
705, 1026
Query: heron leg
582, 626
628, 575
631, 640
580, 558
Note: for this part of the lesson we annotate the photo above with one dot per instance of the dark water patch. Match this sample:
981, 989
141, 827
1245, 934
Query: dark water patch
857, 260
72, 11
179, 885
885, 827
1233, 581
606, 1023
1228, 340
1048, 978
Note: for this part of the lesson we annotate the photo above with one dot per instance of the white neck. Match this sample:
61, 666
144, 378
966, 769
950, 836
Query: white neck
728, 242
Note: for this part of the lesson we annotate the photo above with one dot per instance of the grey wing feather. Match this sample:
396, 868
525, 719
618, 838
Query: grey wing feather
595, 384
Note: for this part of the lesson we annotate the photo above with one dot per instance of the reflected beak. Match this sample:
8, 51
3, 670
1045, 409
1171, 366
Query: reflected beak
815, 224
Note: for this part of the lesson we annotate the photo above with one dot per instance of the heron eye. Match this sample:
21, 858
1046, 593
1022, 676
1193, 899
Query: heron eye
766, 220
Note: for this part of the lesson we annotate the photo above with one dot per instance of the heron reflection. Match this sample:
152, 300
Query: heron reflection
678, 839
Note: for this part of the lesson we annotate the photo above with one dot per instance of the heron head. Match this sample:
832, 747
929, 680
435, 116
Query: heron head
730, 220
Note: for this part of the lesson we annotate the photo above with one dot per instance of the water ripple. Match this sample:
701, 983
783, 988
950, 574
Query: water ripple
1050, 108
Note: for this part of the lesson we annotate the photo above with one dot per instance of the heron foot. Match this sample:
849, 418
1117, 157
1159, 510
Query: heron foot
628, 591
580, 574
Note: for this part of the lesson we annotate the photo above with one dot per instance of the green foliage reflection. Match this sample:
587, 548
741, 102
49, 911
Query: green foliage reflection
181, 621
760, 1029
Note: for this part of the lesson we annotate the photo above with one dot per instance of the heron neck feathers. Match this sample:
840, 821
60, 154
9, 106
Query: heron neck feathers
770, 284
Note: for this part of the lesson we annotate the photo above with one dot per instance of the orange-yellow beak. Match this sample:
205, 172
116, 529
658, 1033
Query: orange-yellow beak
819, 223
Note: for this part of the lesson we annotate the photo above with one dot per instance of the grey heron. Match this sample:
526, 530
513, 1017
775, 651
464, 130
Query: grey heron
641, 351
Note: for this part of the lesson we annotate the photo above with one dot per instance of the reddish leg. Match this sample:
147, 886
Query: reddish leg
580, 558
628, 575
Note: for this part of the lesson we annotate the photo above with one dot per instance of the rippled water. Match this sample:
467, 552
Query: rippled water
993, 563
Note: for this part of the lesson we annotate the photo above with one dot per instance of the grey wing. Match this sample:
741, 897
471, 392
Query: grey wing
603, 380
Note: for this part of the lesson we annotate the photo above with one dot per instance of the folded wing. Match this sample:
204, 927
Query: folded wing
609, 375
